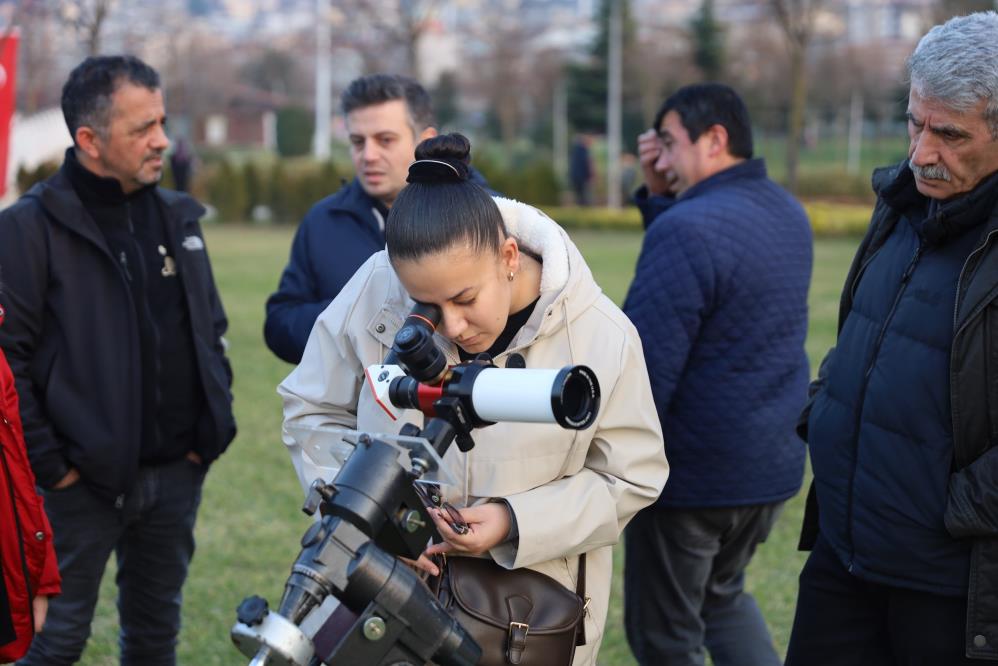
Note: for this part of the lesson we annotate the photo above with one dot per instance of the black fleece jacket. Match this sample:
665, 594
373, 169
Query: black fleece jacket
72, 337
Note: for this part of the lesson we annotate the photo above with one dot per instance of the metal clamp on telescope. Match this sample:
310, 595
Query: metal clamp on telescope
372, 512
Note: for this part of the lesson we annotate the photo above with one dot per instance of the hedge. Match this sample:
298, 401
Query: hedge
532, 180
282, 191
827, 218
28, 177
295, 126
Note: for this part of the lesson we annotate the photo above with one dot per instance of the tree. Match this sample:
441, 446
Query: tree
392, 28
947, 9
294, 131
87, 17
587, 82
274, 71
707, 35
504, 73
445, 99
198, 72
796, 19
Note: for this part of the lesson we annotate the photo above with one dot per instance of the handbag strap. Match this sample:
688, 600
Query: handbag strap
580, 589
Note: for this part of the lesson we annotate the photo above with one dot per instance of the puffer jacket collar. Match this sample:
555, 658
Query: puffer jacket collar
896, 191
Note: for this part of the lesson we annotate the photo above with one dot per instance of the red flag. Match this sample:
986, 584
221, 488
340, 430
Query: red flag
8, 82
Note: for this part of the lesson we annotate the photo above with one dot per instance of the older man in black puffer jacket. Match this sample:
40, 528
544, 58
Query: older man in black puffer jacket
902, 425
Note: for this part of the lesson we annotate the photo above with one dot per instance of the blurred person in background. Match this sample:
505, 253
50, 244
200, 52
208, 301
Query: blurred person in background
719, 299
114, 334
902, 426
580, 169
182, 165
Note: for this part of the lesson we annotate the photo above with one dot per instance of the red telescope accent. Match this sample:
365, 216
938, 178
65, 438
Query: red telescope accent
427, 395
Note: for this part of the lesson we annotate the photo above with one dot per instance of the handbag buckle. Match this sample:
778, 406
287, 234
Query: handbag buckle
517, 642
519, 625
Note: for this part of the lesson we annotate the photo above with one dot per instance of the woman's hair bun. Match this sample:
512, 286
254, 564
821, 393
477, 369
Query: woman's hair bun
441, 159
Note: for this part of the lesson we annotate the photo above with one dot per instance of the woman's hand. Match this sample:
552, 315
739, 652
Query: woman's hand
488, 525
40, 608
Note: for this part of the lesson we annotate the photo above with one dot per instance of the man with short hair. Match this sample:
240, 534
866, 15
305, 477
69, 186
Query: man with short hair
386, 117
719, 299
114, 333
902, 517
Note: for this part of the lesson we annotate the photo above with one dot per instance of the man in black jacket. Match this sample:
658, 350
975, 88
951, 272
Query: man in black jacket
902, 518
115, 339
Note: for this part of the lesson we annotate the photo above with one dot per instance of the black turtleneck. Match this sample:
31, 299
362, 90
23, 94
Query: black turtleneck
134, 227
513, 326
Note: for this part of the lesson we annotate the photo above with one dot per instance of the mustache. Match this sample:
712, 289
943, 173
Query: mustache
931, 172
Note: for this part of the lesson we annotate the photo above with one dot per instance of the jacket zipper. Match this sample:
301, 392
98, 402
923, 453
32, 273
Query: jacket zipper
905, 278
123, 260
958, 331
17, 522
859, 274
959, 282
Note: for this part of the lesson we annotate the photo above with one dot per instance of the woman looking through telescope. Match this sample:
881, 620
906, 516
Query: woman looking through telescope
508, 280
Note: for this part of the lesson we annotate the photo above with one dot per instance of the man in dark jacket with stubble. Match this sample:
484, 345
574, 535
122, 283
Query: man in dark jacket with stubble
902, 518
719, 299
114, 334
386, 116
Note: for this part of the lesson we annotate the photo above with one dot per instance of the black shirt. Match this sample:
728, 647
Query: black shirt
513, 326
134, 228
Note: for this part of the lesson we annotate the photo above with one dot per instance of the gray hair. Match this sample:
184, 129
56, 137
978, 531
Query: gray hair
957, 63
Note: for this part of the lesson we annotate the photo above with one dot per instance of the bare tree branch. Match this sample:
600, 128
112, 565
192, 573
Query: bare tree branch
797, 20
397, 31
87, 17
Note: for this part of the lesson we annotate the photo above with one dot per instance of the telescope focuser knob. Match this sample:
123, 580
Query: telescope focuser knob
252, 610
318, 492
313, 535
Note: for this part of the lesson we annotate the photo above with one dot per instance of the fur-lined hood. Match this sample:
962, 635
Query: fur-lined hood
567, 284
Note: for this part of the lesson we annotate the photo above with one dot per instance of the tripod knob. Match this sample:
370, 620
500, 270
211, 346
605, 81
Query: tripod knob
318, 492
252, 610
313, 535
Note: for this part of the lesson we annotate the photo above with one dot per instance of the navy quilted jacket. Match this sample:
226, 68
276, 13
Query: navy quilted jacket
720, 301
333, 240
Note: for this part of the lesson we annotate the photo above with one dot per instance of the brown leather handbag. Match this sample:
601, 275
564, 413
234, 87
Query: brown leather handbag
517, 616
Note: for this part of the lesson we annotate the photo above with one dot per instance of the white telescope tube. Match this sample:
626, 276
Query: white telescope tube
568, 396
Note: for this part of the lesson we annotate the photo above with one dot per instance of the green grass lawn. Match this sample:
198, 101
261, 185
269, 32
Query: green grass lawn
250, 523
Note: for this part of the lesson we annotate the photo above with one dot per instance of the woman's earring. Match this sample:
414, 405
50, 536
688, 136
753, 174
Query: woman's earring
510, 276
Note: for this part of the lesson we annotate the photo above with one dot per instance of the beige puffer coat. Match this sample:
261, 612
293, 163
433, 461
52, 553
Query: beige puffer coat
572, 492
